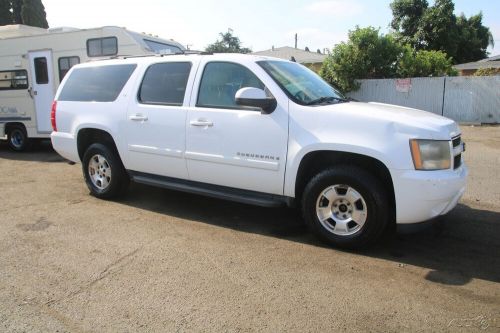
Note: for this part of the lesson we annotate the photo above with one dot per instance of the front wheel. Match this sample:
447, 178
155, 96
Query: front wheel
104, 173
346, 206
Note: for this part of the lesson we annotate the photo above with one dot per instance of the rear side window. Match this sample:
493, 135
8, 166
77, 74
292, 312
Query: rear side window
221, 81
96, 84
165, 83
99, 47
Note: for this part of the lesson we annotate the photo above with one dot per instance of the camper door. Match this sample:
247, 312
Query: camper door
42, 87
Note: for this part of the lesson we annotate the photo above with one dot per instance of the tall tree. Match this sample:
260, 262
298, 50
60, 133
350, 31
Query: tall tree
16, 11
33, 14
5, 13
28, 12
366, 55
437, 28
227, 44
406, 16
473, 38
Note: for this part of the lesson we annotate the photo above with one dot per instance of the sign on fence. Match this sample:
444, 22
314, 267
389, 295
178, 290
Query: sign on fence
403, 85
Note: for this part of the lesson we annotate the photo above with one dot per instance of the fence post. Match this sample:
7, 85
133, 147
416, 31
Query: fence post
444, 92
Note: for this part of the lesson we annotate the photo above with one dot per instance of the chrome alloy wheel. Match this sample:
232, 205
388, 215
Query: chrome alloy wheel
99, 171
341, 210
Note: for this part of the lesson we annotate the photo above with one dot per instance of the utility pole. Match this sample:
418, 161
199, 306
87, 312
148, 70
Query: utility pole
295, 40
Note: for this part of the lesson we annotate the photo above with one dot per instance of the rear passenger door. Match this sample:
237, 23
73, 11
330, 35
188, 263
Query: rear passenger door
156, 120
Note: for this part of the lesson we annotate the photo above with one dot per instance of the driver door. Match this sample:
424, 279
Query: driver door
230, 145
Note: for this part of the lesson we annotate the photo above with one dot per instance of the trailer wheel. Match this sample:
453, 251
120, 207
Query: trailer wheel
18, 138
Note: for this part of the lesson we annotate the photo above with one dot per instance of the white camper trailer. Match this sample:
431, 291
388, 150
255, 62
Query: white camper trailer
33, 61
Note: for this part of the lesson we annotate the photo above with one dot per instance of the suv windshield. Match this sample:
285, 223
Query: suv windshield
301, 84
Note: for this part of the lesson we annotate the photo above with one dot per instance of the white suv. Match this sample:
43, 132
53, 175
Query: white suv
261, 131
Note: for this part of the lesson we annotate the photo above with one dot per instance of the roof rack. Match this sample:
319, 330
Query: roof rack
187, 52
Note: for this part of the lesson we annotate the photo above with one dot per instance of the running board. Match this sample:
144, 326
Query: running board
214, 191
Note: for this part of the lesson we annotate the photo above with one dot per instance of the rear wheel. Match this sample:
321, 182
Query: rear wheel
346, 207
18, 138
104, 173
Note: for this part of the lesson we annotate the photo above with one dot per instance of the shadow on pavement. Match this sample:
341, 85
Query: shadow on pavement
40, 151
464, 246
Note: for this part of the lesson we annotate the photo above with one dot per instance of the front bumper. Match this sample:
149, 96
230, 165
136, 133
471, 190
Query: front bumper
424, 195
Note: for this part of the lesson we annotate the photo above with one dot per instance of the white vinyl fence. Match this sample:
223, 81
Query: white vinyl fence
464, 99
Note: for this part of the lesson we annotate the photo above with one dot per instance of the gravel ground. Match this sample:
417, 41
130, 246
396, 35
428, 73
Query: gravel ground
160, 260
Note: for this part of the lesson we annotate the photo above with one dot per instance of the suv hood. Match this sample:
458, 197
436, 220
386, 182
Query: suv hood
407, 120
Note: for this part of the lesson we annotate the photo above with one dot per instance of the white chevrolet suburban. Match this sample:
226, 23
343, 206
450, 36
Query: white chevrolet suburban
261, 131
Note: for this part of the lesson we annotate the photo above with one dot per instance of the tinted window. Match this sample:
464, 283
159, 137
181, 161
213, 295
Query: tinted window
161, 47
65, 63
41, 72
13, 80
99, 47
221, 81
96, 84
165, 83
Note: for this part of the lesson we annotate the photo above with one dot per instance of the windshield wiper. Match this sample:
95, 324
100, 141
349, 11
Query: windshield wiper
326, 99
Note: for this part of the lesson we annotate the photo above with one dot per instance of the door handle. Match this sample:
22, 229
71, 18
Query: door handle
201, 123
138, 117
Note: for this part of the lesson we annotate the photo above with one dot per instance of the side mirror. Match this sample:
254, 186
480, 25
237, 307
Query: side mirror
255, 97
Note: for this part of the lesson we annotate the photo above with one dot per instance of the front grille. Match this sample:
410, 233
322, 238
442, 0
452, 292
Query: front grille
457, 159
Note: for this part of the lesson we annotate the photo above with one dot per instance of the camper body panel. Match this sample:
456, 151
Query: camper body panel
26, 104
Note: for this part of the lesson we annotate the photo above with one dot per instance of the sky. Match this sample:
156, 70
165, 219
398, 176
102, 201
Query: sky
260, 24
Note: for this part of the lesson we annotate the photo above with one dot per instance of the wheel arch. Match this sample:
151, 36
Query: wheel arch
89, 135
315, 161
8, 126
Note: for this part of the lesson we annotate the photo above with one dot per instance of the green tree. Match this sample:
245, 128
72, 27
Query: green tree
33, 14
437, 28
487, 71
227, 44
406, 15
366, 55
16, 11
424, 63
473, 39
5, 13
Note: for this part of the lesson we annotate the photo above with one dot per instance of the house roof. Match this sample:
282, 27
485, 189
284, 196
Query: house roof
300, 56
491, 62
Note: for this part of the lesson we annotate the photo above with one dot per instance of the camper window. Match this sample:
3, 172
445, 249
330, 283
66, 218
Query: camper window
13, 80
162, 48
99, 47
65, 64
41, 72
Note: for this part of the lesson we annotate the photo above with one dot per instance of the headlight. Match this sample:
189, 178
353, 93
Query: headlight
431, 154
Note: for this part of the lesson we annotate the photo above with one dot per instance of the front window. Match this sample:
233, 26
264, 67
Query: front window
221, 81
301, 84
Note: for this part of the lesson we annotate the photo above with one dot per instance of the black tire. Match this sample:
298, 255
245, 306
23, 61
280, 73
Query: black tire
18, 138
373, 193
118, 181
